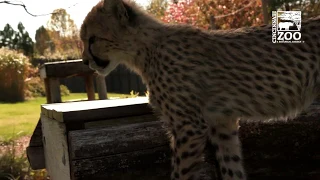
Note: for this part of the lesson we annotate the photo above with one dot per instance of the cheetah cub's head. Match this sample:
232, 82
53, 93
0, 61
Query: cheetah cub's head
104, 35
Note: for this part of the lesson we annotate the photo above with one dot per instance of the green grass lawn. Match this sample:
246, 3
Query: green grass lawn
19, 119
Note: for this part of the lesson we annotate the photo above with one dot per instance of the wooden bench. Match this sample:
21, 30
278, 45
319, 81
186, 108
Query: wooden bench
123, 140
51, 73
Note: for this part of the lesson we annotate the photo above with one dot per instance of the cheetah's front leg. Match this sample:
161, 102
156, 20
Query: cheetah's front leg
187, 147
223, 135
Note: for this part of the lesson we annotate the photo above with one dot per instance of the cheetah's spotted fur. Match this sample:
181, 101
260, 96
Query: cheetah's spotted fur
203, 82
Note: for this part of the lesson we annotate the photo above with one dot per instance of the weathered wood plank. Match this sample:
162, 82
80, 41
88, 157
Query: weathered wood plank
63, 69
149, 164
115, 140
47, 89
55, 149
101, 87
96, 110
55, 94
120, 121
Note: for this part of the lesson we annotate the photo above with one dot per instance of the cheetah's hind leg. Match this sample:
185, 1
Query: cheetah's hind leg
188, 149
223, 136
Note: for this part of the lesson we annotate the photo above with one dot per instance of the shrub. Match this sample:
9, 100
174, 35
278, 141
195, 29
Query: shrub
133, 94
14, 165
64, 90
13, 67
35, 88
57, 56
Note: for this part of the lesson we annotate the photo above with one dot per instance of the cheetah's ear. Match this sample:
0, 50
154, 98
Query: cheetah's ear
119, 9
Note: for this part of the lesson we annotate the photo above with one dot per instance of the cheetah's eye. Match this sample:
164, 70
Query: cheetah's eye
92, 39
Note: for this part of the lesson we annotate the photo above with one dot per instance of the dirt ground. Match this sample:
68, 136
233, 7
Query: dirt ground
19, 145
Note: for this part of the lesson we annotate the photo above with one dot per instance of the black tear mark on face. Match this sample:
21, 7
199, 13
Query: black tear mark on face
97, 60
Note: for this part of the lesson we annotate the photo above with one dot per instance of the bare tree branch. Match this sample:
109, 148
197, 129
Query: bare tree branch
25, 8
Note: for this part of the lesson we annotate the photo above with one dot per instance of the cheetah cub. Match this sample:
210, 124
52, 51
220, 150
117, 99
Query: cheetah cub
204, 82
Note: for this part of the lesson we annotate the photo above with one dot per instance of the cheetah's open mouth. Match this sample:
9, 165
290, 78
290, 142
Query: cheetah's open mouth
101, 63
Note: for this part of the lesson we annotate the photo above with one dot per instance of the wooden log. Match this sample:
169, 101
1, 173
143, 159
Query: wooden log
131, 148
101, 87
120, 139
90, 87
277, 150
151, 164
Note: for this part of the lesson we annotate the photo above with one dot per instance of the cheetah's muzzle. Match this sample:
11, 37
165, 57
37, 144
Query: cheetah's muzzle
99, 62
